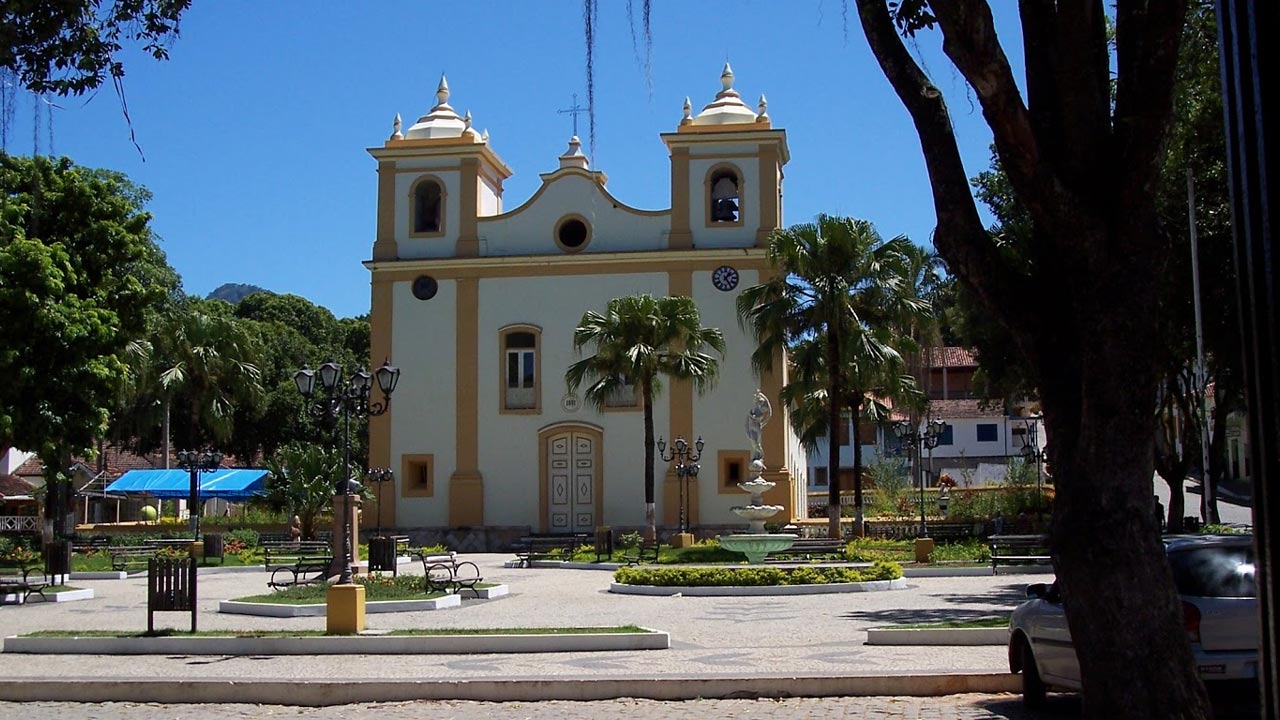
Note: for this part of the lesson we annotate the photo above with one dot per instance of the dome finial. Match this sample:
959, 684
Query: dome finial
726, 77
395, 129
688, 108
466, 119
763, 105
442, 91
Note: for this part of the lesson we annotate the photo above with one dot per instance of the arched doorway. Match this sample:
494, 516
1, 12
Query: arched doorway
571, 471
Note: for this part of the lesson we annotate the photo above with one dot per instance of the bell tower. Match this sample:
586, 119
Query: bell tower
726, 173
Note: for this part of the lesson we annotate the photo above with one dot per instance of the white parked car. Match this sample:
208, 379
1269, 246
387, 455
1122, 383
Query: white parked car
1214, 576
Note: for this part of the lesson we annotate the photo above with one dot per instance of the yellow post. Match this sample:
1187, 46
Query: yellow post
924, 548
344, 609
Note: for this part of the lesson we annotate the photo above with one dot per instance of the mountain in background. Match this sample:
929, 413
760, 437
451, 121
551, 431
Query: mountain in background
234, 292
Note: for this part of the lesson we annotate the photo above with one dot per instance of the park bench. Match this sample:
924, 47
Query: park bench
16, 578
171, 586
645, 552
297, 563
544, 547
1018, 550
808, 549
444, 573
131, 557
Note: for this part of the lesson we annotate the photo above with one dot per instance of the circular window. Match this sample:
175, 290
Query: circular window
572, 233
425, 287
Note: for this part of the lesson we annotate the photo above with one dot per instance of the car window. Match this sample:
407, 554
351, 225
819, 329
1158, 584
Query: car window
1222, 572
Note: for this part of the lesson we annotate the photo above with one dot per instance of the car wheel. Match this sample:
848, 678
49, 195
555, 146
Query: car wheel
1033, 688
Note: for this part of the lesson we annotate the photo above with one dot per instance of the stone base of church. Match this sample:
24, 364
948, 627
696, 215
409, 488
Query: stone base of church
477, 539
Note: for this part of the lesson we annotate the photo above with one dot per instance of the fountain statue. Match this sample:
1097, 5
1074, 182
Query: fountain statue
756, 543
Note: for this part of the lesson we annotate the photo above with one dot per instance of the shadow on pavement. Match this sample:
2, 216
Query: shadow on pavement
1009, 707
920, 615
1006, 595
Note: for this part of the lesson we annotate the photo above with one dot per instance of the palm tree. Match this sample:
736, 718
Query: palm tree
202, 359
302, 482
837, 279
638, 339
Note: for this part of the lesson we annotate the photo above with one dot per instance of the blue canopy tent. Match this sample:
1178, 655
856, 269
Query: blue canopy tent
229, 484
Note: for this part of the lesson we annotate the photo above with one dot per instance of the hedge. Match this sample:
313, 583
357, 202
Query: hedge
754, 576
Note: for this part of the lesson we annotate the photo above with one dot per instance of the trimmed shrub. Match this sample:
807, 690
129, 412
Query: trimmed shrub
246, 537
754, 576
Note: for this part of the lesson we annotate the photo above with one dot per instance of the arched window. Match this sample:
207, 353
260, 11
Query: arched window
428, 208
724, 195
520, 369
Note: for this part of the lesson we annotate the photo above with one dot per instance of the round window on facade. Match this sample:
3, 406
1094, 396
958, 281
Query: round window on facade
572, 233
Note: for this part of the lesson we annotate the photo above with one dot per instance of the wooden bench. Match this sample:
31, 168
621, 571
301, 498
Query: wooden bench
444, 573
1019, 550
131, 557
171, 586
16, 579
297, 563
644, 552
544, 547
809, 548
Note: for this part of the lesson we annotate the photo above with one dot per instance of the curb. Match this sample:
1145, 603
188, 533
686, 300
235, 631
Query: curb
281, 610
752, 591
938, 636
337, 645
318, 693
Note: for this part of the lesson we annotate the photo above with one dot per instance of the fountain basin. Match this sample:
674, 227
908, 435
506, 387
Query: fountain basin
756, 546
756, 512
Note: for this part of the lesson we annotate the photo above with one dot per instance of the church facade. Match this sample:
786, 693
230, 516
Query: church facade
477, 304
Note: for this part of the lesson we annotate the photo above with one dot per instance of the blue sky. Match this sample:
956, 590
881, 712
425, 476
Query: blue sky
255, 130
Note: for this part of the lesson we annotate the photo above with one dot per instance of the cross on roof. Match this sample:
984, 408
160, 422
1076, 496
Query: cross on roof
574, 110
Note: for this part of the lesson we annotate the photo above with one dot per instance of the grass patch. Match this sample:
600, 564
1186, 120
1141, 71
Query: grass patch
421, 632
376, 588
990, 622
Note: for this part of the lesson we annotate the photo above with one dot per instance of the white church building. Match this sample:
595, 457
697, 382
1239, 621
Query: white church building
477, 304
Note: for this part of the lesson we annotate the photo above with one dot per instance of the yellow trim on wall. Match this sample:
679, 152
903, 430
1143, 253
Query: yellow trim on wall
544, 491
680, 407
466, 485
469, 208
384, 245
537, 369
413, 206
570, 264
707, 222
381, 306
412, 484
770, 193
680, 237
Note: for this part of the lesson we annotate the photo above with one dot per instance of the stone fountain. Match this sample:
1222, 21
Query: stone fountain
756, 543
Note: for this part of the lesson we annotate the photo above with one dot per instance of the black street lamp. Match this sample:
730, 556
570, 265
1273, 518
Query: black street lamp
917, 440
686, 467
337, 400
195, 463
377, 476
1032, 452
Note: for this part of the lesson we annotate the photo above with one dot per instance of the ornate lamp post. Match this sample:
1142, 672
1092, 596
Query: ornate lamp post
686, 467
1032, 452
377, 476
917, 440
195, 463
338, 400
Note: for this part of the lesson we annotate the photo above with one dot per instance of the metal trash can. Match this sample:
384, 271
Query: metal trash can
382, 554
57, 559
604, 542
213, 546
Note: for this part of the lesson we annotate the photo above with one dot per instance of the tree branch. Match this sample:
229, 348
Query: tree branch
1147, 37
961, 238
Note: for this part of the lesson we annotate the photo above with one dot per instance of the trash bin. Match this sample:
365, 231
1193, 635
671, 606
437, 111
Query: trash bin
604, 542
213, 546
57, 559
382, 554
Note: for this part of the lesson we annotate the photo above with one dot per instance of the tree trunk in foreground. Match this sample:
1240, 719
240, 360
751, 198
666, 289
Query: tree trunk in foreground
859, 520
1079, 300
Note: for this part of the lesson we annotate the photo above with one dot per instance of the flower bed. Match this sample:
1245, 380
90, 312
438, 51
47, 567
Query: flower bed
754, 576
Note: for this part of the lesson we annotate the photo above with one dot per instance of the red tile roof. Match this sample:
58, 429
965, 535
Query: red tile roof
11, 485
950, 357
115, 461
958, 409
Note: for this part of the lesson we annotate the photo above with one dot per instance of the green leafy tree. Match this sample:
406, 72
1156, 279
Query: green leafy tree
637, 341
302, 482
76, 258
1081, 140
837, 279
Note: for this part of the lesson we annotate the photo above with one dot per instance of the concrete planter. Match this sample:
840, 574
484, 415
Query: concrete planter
100, 575
342, 645
938, 636
738, 590
944, 571
318, 610
56, 597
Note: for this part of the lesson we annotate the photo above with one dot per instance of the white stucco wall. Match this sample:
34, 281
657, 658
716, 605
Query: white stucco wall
423, 412
530, 228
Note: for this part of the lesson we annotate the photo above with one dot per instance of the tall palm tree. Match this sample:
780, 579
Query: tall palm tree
838, 279
637, 340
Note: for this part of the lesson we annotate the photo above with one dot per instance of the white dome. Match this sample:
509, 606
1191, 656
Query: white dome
442, 121
727, 108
